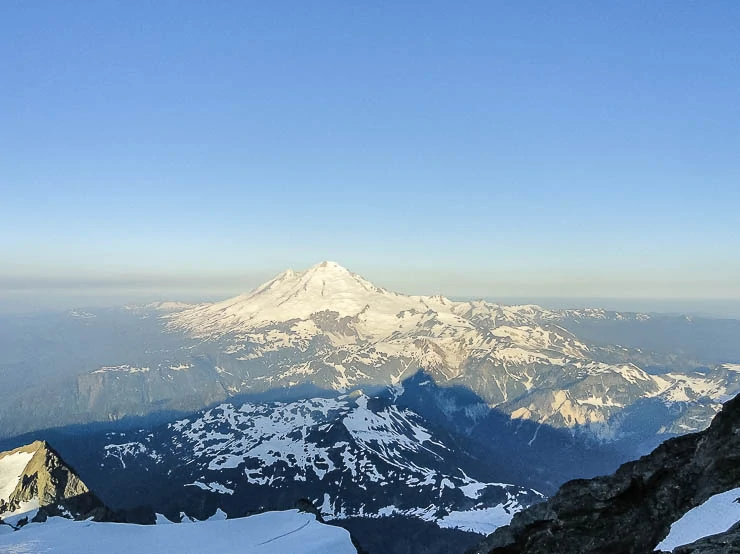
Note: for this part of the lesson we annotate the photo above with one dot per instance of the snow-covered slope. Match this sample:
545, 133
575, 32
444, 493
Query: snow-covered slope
716, 515
12, 466
353, 457
268, 533
291, 295
11, 469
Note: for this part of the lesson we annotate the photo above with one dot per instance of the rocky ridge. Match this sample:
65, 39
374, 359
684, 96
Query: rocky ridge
632, 510
35, 483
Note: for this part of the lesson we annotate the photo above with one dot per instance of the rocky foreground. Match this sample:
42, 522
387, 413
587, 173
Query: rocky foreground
632, 510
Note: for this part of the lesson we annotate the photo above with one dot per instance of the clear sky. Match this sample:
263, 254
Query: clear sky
467, 148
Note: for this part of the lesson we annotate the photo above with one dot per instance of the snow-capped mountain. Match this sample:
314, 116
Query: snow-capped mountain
367, 328
356, 458
334, 329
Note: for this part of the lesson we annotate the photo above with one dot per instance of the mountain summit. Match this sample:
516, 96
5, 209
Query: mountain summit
325, 287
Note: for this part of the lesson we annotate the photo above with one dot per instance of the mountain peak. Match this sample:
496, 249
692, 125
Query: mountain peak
35, 482
321, 280
329, 266
327, 270
291, 295
323, 270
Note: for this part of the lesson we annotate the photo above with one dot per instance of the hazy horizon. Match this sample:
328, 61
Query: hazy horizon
29, 294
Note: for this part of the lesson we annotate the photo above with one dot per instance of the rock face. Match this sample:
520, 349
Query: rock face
632, 510
36, 483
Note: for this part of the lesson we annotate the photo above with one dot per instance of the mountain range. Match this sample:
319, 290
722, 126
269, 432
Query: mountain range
334, 330
383, 411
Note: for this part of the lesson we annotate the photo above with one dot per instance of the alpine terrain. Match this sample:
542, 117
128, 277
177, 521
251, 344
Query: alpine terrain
45, 507
418, 423
681, 498
330, 329
35, 483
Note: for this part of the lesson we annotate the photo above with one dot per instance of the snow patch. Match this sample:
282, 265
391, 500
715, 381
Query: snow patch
483, 520
11, 469
716, 515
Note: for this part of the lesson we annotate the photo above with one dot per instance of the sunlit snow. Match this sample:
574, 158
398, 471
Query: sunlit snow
483, 520
11, 469
268, 533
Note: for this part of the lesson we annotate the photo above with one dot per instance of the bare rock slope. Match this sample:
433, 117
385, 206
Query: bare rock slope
632, 510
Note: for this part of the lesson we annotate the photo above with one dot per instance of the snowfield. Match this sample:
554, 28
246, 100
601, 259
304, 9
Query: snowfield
716, 515
484, 520
269, 533
12, 467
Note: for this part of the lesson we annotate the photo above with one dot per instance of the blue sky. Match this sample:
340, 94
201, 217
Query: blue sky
476, 148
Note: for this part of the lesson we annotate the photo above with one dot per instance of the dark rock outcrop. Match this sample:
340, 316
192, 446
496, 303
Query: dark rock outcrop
632, 510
